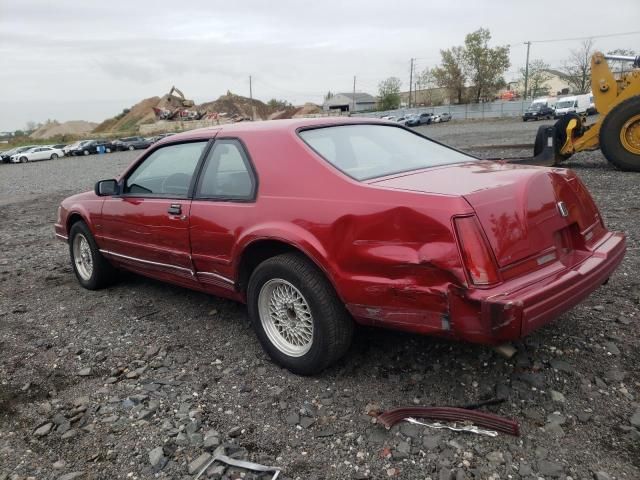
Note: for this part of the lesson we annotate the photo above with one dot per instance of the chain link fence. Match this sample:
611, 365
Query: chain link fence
468, 111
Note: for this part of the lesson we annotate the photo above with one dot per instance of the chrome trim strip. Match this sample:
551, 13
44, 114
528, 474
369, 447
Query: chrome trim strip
62, 237
148, 262
219, 277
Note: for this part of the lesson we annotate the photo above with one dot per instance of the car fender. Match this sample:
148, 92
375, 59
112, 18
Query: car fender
291, 234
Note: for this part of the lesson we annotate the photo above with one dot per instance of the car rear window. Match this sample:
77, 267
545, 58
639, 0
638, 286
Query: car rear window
371, 151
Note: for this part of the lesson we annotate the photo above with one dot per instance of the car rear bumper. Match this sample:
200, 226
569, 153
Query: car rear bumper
504, 313
511, 313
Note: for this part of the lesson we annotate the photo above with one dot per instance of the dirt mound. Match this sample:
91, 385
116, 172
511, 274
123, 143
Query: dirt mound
131, 118
237, 106
306, 110
55, 129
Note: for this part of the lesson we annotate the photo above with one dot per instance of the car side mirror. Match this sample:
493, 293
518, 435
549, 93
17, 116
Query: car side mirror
105, 188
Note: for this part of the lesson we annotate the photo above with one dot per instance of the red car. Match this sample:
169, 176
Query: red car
317, 224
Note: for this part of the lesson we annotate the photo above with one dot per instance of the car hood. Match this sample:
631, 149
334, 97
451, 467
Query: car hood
517, 205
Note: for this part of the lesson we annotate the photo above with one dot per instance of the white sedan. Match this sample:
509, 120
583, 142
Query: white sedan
37, 153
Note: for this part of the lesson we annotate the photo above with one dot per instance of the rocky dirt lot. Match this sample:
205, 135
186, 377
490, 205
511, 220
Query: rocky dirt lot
147, 380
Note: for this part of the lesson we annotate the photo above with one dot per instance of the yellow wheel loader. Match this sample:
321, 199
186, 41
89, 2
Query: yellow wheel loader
617, 130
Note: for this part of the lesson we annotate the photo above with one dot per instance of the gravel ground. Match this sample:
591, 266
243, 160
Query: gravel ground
147, 380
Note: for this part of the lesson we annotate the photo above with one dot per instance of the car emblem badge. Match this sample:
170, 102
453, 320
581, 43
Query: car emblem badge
562, 208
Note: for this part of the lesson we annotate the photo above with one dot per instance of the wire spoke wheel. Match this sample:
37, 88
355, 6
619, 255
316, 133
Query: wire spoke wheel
82, 256
286, 317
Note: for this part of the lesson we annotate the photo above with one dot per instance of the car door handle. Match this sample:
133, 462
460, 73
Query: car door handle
175, 209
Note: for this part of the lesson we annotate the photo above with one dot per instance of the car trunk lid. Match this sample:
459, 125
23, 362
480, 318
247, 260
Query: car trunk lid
524, 210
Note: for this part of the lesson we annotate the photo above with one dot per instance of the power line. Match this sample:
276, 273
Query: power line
586, 38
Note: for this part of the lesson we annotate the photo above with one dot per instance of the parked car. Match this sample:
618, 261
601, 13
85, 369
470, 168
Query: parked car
538, 111
591, 110
422, 119
88, 147
72, 146
6, 156
37, 153
402, 120
382, 226
131, 143
441, 117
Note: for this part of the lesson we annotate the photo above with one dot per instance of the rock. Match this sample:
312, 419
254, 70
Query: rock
152, 351
635, 419
550, 469
402, 451
132, 374
495, 457
614, 375
612, 348
556, 417
85, 372
525, 470
59, 465
431, 442
157, 459
533, 379
211, 442
71, 476
43, 430
292, 418
235, 432
561, 366
306, 422
69, 434
601, 476
554, 429
410, 430
557, 396
199, 463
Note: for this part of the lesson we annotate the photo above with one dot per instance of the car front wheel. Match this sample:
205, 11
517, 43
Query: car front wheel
92, 270
297, 315
131, 147
54, 156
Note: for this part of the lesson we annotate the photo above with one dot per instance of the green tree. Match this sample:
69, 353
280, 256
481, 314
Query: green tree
275, 104
577, 68
484, 65
538, 76
329, 95
389, 93
450, 74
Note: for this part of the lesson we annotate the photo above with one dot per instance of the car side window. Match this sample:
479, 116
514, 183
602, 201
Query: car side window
226, 173
167, 171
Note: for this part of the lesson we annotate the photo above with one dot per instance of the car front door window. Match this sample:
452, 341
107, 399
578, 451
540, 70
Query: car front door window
227, 173
167, 172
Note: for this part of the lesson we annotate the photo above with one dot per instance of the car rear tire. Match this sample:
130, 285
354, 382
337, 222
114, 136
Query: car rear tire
92, 270
620, 135
297, 315
54, 156
131, 147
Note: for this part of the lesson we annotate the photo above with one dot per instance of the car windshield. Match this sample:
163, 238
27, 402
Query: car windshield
535, 106
371, 151
565, 104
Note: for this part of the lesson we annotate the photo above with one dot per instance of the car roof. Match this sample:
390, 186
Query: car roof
275, 126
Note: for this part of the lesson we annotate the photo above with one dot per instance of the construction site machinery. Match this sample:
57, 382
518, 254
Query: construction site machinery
616, 131
178, 99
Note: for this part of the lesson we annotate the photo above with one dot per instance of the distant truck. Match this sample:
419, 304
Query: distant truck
543, 107
578, 104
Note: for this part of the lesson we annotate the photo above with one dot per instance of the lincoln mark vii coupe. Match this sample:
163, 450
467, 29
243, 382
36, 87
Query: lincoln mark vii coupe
318, 225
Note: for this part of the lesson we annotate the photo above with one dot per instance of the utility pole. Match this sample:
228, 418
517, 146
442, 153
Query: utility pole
354, 95
410, 82
253, 108
526, 71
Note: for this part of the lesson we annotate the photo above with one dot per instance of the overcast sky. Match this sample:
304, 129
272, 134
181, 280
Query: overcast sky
83, 59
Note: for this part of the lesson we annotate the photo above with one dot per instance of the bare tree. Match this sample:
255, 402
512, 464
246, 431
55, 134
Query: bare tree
538, 76
577, 67
427, 82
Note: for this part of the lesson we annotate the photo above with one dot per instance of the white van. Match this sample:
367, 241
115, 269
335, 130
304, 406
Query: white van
573, 104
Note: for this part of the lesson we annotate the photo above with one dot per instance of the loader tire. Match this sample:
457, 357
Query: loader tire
561, 131
620, 135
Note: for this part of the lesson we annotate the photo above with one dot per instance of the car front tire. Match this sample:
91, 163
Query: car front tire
131, 147
297, 315
54, 156
92, 270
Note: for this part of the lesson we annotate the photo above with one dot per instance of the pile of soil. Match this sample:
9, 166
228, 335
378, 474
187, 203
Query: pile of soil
237, 106
54, 129
130, 119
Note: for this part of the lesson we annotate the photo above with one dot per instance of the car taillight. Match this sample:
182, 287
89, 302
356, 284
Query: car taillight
476, 254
